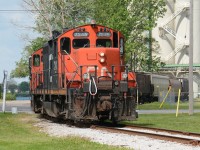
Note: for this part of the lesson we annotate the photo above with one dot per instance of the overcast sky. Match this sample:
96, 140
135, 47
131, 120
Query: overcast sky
11, 42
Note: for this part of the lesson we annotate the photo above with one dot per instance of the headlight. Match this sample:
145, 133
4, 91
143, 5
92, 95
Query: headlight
101, 54
124, 75
102, 60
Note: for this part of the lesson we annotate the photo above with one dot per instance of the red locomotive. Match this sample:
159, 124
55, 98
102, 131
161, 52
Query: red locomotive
81, 75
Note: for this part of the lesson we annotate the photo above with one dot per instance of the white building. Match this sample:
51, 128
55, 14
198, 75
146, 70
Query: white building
172, 34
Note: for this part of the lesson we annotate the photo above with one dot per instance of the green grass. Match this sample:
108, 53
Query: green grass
183, 122
156, 105
18, 132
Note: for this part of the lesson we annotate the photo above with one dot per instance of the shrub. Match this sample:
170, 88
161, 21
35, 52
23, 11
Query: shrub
10, 96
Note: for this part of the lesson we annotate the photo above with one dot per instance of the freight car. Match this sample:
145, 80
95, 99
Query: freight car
81, 75
185, 89
151, 85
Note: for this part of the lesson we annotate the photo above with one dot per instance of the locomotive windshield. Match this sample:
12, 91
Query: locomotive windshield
80, 43
103, 43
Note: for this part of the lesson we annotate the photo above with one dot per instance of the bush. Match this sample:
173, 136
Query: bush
9, 96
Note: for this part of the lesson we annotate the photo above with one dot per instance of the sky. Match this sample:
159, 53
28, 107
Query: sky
11, 41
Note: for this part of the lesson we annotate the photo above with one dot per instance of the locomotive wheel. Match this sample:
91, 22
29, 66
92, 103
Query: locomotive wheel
35, 107
115, 115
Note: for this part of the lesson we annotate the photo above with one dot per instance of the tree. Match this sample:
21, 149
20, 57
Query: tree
22, 69
133, 18
12, 88
23, 86
12, 85
50, 15
58, 14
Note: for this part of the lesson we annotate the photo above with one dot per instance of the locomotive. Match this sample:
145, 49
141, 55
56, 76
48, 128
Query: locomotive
81, 75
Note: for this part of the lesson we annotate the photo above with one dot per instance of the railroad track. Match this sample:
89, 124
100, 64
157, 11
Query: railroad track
162, 134
165, 130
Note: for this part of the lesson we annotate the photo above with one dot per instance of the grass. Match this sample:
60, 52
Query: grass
19, 133
156, 105
183, 122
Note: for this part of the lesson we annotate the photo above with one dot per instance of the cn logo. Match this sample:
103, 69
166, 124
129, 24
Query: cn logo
104, 71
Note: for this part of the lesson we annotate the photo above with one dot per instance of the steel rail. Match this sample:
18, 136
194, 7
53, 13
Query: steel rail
164, 130
151, 135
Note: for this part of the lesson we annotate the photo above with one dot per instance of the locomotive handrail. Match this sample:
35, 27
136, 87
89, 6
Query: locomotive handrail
71, 58
103, 77
88, 65
81, 71
126, 70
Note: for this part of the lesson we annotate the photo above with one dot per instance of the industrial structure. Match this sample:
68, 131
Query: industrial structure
172, 34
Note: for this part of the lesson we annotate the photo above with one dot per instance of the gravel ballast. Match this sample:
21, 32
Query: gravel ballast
115, 139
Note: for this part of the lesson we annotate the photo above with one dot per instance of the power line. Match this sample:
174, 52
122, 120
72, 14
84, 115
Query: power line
14, 10
17, 11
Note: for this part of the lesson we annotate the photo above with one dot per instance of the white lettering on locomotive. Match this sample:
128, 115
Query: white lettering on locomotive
104, 71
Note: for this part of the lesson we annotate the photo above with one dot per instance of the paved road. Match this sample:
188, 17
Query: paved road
164, 111
22, 106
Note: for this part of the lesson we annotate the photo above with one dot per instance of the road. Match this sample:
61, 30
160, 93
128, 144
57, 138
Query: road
169, 111
22, 106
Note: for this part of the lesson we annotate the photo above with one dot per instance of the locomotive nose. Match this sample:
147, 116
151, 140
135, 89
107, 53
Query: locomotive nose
102, 58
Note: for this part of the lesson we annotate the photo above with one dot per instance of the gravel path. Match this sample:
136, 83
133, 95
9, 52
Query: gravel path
123, 140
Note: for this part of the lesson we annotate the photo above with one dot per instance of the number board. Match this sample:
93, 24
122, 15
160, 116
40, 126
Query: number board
103, 34
81, 34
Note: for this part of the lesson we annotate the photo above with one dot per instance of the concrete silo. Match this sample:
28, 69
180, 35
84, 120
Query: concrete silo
196, 31
182, 26
165, 40
174, 40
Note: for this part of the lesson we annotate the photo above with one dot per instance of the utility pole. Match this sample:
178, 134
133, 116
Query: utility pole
191, 93
4, 91
150, 39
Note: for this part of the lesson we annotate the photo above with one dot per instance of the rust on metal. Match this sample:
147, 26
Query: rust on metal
171, 138
164, 130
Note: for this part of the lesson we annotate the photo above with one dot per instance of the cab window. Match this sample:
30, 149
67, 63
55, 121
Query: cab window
36, 60
65, 45
115, 39
81, 43
103, 43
